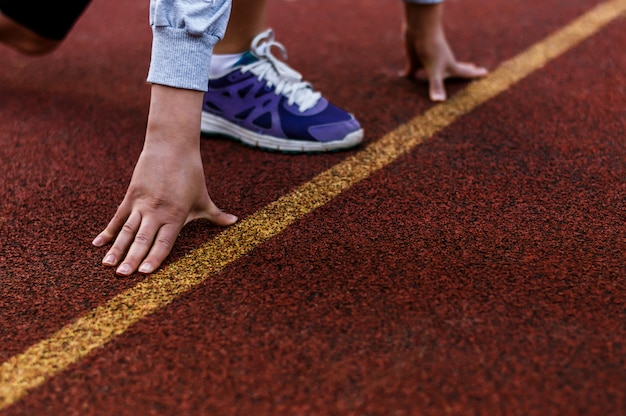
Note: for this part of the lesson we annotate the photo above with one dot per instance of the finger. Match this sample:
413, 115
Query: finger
163, 243
124, 238
223, 219
436, 89
468, 71
214, 215
114, 226
165, 238
139, 248
209, 211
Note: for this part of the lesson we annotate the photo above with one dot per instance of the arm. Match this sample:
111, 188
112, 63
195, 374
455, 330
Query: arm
427, 48
168, 188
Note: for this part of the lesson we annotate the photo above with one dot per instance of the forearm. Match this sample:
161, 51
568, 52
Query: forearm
424, 20
174, 119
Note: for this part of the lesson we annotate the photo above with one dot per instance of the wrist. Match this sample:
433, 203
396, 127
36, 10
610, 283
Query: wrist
423, 20
174, 118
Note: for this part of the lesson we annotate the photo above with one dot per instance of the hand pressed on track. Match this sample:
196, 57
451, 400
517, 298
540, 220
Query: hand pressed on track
160, 200
167, 189
427, 49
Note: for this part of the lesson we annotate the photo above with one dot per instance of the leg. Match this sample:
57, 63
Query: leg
247, 19
259, 100
23, 39
37, 27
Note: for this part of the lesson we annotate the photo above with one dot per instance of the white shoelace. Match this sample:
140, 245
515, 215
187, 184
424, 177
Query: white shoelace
274, 72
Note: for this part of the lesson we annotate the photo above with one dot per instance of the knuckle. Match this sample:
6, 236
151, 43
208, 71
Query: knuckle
165, 242
142, 238
129, 228
157, 202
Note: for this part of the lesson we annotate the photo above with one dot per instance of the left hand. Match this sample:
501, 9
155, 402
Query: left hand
427, 49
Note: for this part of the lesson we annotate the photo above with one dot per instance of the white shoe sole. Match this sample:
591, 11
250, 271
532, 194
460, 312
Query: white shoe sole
216, 125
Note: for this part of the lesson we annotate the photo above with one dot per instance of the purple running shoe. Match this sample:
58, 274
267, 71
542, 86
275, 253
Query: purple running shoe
264, 103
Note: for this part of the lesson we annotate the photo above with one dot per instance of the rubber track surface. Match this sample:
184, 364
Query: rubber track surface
468, 259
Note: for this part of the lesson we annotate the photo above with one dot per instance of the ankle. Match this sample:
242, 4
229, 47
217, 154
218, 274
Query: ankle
221, 63
232, 46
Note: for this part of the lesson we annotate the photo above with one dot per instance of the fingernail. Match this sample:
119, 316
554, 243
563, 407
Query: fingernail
438, 97
109, 260
97, 241
124, 269
145, 268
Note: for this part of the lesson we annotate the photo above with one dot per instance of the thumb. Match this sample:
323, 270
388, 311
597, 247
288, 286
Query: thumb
215, 215
223, 219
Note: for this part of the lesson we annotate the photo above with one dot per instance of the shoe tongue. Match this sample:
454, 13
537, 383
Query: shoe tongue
247, 58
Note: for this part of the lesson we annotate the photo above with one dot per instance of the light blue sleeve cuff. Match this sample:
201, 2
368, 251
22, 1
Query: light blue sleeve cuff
180, 59
184, 33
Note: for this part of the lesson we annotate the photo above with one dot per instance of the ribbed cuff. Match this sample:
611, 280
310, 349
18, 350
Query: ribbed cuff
179, 59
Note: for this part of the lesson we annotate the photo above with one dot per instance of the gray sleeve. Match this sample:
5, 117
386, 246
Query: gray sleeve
184, 33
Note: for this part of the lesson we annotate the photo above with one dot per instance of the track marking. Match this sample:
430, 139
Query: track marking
26, 371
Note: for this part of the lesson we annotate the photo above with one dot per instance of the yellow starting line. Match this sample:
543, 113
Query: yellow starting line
26, 371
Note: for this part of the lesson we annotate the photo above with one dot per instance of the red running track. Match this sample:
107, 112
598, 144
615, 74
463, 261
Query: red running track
481, 273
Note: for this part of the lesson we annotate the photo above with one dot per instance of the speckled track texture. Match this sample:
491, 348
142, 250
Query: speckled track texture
480, 270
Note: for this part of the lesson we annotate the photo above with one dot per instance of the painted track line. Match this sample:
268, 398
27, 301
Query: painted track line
24, 372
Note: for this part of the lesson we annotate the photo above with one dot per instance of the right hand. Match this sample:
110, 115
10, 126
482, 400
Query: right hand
167, 189
165, 193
